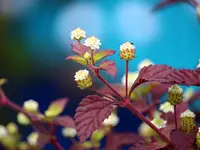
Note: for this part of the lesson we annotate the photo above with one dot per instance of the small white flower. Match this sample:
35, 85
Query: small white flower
188, 94
31, 106
132, 76
12, 128
81, 75
32, 138
127, 46
159, 122
144, 63
78, 34
3, 132
112, 120
166, 107
187, 113
69, 132
199, 129
198, 66
175, 89
93, 42
22, 119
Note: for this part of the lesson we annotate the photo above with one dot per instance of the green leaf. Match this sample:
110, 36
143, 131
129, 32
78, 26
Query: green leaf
56, 108
102, 54
77, 59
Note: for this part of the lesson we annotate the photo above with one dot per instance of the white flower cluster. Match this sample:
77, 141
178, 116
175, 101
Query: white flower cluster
166, 107
127, 46
31, 106
93, 42
78, 34
33, 139
159, 122
175, 89
69, 132
112, 120
187, 113
81, 75
3, 132
198, 66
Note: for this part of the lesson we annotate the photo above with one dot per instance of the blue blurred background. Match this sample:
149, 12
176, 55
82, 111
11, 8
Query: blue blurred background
35, 39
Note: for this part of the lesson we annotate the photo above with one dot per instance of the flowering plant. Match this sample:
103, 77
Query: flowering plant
170, 125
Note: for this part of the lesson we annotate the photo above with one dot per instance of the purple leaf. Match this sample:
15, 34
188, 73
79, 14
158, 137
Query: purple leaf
116, 141
182, 140
43, 140
102, 54
159, 90
117, 87
80, 49
109, 67
157, 145
92, 111
167, 130
167, 75
65, 121
140, 105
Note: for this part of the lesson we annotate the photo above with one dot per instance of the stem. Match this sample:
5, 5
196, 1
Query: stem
56, 144
139, 115
92, 56
127, 78
100, 93
175, 117
108, 85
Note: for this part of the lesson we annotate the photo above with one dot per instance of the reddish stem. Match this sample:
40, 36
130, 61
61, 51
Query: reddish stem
114, 100
108, 84
127, 78
139, 115
175, 117
56, 144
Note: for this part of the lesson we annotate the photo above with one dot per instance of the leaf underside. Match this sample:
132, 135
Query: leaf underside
109, 67
92, 111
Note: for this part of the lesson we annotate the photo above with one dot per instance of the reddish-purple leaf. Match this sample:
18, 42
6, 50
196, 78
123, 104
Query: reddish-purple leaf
167, 130
157, 145
65, 121
181, 140
102, 54
76, 147
42, 140
116, 141
92, 111
80, 49
140, 105
109, 67
159, 90
167, 75
165, 3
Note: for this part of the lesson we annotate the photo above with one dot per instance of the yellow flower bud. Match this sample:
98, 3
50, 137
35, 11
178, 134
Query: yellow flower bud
31, 106
112, 120
187, 121
22, 119
198, 139
175, 95
145, 130
3, 81
12, 128
33, 138
78, 34
87, 56
23, 146
69, 132
83, 79
127, 51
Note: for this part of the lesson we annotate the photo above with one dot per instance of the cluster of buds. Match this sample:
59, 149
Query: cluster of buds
83, 79
166, 107
198, 139
187, 121
175, 95
127, 51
